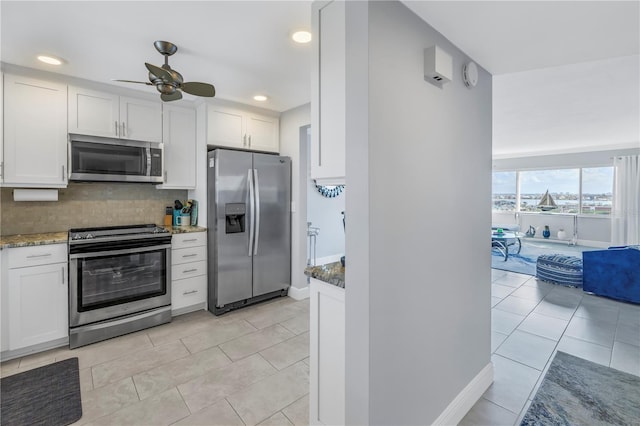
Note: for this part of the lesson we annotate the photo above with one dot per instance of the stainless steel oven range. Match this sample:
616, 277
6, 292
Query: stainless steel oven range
119, 281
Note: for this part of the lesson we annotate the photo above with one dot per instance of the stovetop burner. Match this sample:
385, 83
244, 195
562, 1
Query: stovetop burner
132, 231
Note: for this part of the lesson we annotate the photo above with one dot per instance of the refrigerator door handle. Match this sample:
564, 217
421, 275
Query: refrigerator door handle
257, 209
252, 210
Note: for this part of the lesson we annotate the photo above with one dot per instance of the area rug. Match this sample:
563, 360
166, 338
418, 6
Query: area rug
48, 395
519, 263
525, 261
579, 392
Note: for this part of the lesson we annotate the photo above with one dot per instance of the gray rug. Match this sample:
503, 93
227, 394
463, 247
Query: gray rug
579, 392
48, 395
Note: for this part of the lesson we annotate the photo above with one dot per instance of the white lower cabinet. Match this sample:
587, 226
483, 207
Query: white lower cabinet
188, 272
36, 309
326, 355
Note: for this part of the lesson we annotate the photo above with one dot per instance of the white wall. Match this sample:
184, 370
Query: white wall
418, 159
292, 131
326, 214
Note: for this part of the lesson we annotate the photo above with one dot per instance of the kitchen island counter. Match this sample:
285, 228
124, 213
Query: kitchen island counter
330, 273
27, 240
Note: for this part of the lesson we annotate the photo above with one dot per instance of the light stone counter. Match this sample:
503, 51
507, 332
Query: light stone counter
331, 273
26, 240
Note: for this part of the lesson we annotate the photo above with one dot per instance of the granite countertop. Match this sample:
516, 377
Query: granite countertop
26, 240
331, 273
184, 229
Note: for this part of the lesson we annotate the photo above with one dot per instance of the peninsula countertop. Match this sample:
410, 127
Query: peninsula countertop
331, 273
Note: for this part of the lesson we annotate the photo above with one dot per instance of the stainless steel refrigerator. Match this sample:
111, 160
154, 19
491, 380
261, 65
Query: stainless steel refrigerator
249, 220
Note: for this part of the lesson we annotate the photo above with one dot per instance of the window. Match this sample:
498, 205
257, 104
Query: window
504, 191
585, 190
563, 186
597, 190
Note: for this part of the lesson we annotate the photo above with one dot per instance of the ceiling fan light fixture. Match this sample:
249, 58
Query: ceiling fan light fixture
170, 82
167, 89
48, 59
260, 98
301, 37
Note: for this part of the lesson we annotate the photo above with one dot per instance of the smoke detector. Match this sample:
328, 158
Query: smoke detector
470, 74
438, 66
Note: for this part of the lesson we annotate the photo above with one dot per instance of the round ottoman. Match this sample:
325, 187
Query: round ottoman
560, 269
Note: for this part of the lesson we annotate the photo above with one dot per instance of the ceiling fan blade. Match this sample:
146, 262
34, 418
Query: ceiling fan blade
159, 72
199, 89
131, 81
172, 97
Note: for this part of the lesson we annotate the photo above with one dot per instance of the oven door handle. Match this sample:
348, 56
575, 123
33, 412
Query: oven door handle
117, 252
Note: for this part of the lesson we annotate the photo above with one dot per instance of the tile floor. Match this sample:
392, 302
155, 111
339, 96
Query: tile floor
244, 368
531, 320
251, 366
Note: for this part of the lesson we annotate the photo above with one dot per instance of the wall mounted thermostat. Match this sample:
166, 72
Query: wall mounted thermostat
470, 74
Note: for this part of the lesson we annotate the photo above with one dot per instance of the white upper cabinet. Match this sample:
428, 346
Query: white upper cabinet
235, 128
263, 133
328, 124
35, 133
105, 114
179, 135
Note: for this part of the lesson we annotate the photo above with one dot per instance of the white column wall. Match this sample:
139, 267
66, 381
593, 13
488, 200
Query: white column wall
419, 179
291, 124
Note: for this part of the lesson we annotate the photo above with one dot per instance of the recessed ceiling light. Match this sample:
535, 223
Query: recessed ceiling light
49, 60
260, 98
301, 36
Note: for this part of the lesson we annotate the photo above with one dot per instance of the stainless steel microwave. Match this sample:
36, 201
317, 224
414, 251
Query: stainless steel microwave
114, 160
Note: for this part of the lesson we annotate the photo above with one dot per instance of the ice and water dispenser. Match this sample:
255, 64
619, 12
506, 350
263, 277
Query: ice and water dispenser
235, 214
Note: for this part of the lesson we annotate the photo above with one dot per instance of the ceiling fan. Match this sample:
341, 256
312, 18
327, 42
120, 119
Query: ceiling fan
169, 82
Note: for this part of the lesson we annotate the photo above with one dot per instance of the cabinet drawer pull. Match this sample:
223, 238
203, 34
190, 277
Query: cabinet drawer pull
186, 271
189, 292
190, 240
190, 255
33, 256
124, 129
63, 173
116, 123
249, 140
63, 280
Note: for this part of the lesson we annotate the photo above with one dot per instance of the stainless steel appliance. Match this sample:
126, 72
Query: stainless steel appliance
119, 281
249, 217
94, 158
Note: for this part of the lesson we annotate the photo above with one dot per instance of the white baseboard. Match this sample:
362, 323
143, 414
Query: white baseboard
466, 399
30, 350
298, 293
188, 309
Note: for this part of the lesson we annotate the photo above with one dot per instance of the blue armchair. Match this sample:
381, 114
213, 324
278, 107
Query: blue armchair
613, 273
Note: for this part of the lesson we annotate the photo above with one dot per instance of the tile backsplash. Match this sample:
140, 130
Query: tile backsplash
83, 205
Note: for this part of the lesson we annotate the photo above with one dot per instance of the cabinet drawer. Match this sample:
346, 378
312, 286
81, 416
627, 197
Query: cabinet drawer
188, 292
191, 239
189, 254
188, 270
20, 257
